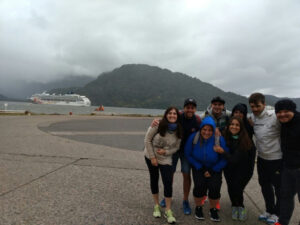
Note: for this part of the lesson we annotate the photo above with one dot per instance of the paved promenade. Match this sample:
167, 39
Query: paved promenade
85, 170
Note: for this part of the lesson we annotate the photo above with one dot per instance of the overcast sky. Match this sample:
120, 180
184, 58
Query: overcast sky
237, 45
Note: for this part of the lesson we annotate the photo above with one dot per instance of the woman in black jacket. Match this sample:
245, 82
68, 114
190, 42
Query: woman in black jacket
241, 110
239, 170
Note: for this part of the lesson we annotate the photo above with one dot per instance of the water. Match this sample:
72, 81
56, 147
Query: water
78, 110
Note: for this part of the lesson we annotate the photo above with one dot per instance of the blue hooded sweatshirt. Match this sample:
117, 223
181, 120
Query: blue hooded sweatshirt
204, 156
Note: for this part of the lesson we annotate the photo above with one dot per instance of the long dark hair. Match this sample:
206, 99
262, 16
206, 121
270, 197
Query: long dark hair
244, 142
163, 124
244, 110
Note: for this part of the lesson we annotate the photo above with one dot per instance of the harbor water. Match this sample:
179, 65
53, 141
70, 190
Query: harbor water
77, 110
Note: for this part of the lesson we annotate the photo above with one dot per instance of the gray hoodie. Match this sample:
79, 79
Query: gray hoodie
267, 134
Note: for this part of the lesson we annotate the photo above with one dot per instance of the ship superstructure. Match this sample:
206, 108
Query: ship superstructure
66, 99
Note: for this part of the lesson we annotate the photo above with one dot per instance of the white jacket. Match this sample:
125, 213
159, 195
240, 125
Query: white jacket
154, 141
267, 134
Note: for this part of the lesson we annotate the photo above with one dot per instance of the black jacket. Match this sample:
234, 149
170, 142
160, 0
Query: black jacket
239, 159
290, 142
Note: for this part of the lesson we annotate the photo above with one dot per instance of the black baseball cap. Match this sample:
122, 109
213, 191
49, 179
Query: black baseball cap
190, 101
218, 99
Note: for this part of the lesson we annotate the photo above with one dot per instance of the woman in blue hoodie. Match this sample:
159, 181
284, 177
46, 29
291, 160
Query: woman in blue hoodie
207, 167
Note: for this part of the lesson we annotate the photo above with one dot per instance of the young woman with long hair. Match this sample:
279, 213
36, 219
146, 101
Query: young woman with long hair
239, 168
161, 142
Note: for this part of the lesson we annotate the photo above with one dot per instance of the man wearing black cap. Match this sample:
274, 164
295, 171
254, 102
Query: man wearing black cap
190, 123
290, 136
221, 117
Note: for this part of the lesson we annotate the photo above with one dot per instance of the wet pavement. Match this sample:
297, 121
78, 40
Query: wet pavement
89, 170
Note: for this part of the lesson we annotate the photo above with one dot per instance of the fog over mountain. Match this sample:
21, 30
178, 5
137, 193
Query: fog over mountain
21, 89
136, 85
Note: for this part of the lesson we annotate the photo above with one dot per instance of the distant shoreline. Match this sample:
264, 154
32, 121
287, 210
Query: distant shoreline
28, 113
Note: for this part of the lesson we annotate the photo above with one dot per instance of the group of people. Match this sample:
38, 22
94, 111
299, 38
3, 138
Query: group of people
219, 141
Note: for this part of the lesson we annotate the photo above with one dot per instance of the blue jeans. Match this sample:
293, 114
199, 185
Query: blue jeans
185, 165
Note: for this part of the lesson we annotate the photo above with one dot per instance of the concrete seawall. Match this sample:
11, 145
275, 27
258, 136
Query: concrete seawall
89, 170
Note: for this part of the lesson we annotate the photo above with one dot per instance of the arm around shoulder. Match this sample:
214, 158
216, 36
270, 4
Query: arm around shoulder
222, 161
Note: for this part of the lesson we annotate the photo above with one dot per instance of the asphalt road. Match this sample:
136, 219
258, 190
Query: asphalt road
85, 170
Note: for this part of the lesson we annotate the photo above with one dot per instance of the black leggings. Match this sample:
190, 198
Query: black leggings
166, 172
237, 180
290, 186
202, 184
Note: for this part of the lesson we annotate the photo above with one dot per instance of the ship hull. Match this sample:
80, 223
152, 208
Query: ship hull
68, 99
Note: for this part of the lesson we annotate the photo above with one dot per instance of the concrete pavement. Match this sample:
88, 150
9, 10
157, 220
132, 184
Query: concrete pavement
88, 170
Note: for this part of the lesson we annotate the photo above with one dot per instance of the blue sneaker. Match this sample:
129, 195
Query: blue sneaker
186, 207
162, 203
272, 219
264, 216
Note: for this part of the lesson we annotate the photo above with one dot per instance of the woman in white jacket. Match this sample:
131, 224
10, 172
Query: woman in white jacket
160, 143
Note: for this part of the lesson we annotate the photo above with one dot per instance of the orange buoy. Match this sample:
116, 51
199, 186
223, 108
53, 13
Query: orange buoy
100, 108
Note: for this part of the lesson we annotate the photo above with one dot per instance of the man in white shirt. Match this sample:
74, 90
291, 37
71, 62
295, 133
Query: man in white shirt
269, 162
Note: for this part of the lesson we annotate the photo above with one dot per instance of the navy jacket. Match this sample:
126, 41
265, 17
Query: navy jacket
189, 125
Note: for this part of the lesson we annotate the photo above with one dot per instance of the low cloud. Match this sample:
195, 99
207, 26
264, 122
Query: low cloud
241, 46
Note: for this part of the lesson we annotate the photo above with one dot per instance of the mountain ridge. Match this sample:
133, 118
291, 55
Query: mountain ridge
138, 86
271, 100
144, 86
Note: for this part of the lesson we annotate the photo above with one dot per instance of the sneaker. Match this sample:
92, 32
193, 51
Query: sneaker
218, 207
264, 216
170, 217
163, 203
214, 215
205, 199
242, 214
272, 219
235, 213
186, 207
156, 212
199, 213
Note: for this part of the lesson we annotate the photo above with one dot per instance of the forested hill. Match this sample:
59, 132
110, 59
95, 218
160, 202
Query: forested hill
271, 100
2, 97
143, 86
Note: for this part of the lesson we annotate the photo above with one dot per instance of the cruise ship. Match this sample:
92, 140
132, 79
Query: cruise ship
66, 99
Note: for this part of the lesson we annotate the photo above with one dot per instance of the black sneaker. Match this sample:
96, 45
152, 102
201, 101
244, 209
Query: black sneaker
199, 213
214, 215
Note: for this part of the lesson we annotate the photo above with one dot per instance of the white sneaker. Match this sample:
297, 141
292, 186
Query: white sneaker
272, 219
264, 216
